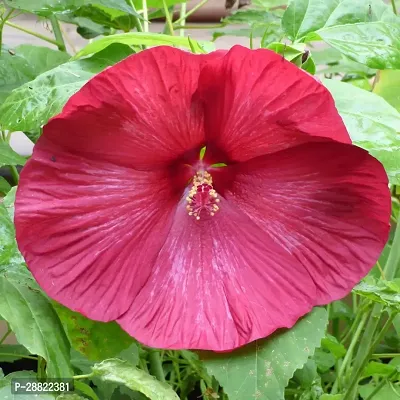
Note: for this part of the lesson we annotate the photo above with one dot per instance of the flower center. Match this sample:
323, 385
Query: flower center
202, 197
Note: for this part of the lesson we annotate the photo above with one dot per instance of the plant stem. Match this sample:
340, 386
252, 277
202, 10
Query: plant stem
18, 356
168, 18
14, 174
138, 24
145, 16
5, 335
394, 6
381, 385
3, 20
182, 19
57, 33
156, 368
367, 345
193, 10
386, 355
86, 376
349, 353
41, 367
199, 26
38, 35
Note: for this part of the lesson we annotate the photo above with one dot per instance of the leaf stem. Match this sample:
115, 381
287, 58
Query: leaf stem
168, 18
366, 344
156, 368
385, 355
3, 20
182, 19
5, 335
394, 6
18, 356
199, 26
189, 13
381, 385
86, 376
145, 16
29, 32
349, 353
57, 33
14, 173
138, 24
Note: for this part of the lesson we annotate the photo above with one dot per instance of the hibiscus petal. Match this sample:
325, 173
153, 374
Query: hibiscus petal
258, 103
139, 112
327, 205
217, 284
89, 230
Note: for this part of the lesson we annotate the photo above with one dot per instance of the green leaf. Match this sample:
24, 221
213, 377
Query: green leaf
384, 292
307, 375
303, 17
373, 124
331, 344
41, 59
14, 71
324, 360
124, 373
8, 156
96, 340
70, 396
26, 308
43, 7
5, 387
85, 389
142, 38
388, 392
387, 85
14, 352
46, 7
375, 44
33, 320
331, 397
4, 186
24, 63
96, 20
33, 104
263, 368
378, 369
289, 52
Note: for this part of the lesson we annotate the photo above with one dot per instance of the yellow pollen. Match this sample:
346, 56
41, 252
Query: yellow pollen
202, 197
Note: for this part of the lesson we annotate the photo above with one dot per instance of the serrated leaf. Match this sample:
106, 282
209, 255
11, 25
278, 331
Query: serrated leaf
303, 17
8, 156
124, 373
375, 44
373, 124
263, 368
96, 340
33, 104
142, 38
387, 85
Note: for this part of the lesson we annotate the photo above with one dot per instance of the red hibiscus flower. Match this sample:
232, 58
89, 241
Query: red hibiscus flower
119, 217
